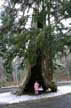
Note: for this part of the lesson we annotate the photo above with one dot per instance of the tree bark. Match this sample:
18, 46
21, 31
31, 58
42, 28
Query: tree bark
42, 71
48, 71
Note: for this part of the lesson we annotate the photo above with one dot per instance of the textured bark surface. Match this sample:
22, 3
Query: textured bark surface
42, 71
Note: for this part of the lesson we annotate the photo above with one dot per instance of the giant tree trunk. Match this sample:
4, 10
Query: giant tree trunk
42, 71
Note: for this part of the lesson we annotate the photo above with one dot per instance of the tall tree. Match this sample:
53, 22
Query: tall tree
38, 43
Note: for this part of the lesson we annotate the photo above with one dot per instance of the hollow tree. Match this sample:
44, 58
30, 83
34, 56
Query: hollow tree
42, 70
38, 43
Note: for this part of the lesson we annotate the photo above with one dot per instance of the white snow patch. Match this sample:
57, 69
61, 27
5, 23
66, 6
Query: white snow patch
9, 98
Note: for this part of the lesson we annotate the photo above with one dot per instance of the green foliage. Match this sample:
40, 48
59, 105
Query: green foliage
68, 7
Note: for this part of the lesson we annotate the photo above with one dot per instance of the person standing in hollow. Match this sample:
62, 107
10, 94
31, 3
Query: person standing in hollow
36, 87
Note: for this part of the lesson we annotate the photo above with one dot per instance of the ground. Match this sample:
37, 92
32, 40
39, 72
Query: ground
55, 102
9, 98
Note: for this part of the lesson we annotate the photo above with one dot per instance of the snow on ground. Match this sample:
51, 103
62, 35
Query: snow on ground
9, 98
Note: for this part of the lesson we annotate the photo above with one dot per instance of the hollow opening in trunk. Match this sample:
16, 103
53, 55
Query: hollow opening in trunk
36, 75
